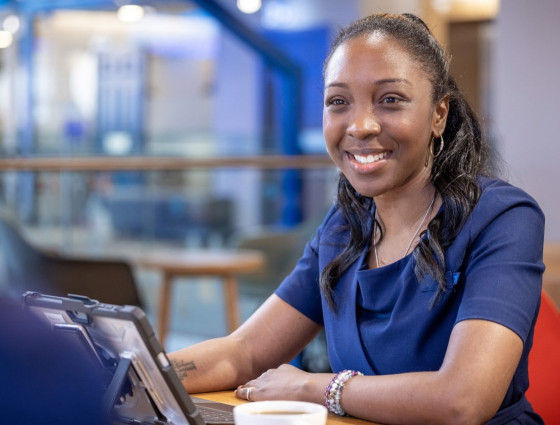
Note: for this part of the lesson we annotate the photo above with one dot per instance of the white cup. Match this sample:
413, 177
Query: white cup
280, 412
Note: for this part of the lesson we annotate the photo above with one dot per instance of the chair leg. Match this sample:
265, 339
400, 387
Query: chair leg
232, 302
164, 308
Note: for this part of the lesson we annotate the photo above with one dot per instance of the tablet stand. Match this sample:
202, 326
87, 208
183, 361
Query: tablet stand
114, 391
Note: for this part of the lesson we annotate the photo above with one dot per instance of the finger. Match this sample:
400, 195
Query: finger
245, 393
240, 392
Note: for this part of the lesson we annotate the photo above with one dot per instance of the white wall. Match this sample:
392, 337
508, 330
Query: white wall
367, 7
526, 101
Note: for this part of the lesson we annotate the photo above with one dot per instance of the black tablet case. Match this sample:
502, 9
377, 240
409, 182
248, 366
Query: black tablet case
142, 386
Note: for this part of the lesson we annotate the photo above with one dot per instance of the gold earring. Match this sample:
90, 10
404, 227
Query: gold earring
441, 145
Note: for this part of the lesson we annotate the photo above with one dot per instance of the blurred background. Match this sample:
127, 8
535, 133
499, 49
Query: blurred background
156, 124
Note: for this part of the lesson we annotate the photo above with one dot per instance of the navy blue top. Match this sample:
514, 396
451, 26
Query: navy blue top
385, 321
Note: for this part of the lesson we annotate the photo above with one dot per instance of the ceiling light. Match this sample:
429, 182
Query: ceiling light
130, 13
11, 24
249, 6
6, 39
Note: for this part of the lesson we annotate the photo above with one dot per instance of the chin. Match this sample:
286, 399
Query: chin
366, 189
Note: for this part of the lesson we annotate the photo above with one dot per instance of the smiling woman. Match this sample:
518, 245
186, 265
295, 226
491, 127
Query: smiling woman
427, 297
379, 117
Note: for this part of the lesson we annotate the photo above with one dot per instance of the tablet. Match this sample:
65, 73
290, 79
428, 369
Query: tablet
142, 386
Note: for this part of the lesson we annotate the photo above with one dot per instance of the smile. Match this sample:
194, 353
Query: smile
370, 159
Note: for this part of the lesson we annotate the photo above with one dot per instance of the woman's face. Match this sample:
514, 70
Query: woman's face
379, 117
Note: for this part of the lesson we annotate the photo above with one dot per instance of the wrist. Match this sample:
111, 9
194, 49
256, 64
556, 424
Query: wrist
333, 393
313, 388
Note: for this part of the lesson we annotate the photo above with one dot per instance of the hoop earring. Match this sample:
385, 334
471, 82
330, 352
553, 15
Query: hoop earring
440, 150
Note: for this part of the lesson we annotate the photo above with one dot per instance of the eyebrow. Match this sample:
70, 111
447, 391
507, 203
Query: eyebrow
376, 82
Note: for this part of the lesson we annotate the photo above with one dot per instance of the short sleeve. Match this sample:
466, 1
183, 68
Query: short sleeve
503, 277
301, 287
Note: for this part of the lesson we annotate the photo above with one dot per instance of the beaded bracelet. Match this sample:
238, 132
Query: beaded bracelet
334, 391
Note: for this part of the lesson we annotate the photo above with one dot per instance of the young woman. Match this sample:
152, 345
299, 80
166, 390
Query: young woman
425, 274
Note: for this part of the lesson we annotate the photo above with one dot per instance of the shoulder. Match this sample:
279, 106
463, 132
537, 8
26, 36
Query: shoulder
498, 197
332, 220
504, 215
499, 192
505, 208
334, 230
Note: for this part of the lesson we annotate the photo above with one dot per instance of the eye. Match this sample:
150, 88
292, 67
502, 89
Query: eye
390, 99
335, 101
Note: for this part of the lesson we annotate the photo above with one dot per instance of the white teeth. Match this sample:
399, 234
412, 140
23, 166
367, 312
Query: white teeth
369, 159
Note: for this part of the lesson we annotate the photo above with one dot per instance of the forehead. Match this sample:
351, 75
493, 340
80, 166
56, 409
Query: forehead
372, 56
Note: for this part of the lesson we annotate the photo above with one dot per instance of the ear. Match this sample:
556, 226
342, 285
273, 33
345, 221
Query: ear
439, 117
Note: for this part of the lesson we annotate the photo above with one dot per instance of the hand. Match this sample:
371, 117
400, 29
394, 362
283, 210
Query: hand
284, 383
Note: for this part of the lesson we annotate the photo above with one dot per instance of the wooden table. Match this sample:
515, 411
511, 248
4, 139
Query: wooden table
227, 397
224, 264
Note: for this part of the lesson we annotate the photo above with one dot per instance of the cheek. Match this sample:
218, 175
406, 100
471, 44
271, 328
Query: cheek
332, 130
326, 123
332, 141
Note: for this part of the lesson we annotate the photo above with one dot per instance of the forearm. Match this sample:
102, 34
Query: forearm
213, 365
414, 398
408, 398
271, 336
469, 387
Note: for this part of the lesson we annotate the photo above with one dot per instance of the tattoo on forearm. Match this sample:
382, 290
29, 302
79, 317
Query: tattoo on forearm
182, 367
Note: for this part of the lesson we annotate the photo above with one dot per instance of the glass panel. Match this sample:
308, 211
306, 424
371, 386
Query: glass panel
82, 83
108, 215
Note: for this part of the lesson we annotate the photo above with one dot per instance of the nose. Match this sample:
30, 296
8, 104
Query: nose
363, 125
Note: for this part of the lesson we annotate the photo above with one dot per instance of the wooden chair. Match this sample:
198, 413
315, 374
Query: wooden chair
27, 268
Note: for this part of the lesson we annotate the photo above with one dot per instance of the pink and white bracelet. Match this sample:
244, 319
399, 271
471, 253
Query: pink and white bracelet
334, 391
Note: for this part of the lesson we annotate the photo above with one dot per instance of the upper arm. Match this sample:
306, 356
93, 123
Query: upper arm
479, 364
275, 334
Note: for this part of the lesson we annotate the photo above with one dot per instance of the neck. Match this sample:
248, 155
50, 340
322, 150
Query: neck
400, 214
402, 225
